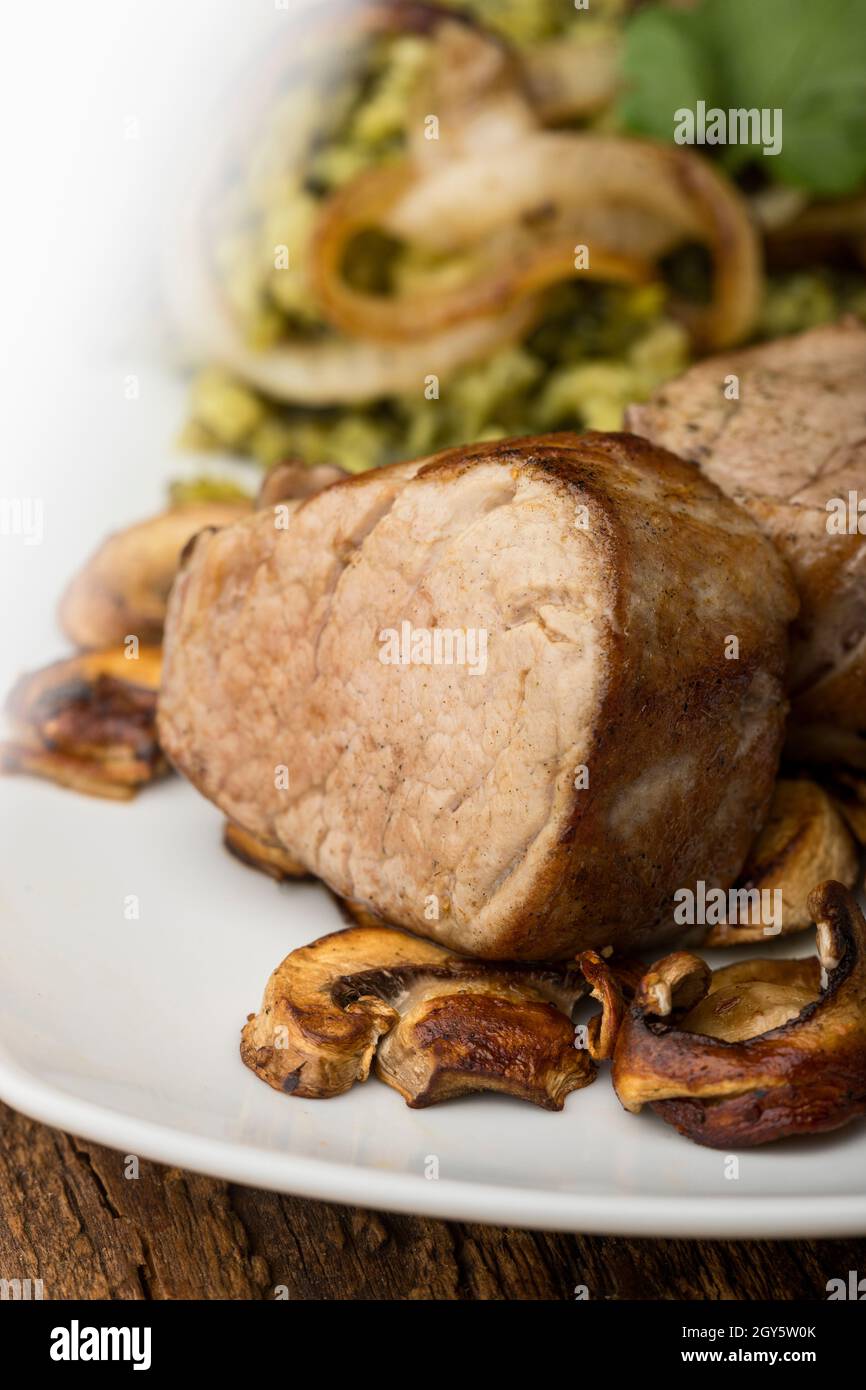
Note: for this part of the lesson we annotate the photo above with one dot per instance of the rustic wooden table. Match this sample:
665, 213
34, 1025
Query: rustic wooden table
70, 1217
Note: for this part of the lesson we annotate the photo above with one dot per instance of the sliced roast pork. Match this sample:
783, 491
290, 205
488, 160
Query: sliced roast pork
782, 429
510, 698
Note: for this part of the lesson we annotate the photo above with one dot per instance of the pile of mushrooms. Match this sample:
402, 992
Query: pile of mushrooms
756, 1051
89, 722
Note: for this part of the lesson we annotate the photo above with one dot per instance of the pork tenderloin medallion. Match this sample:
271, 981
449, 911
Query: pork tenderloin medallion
598, 748
791, 449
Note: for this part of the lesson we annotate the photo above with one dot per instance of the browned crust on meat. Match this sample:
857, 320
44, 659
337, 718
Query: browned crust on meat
624, 739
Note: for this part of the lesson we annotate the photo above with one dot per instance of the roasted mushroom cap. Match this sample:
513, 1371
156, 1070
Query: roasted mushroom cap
89, 723
259, 854
443, 1025
757, 1051
804, 841
123, 587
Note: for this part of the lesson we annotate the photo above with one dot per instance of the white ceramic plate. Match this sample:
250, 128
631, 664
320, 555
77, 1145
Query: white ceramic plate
126, 1031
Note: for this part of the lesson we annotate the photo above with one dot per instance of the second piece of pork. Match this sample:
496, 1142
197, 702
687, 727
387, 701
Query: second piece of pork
781, 428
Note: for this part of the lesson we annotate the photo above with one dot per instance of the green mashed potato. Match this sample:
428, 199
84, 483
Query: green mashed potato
593, 349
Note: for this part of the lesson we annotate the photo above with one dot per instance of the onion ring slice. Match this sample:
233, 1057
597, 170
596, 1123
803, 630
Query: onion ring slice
521, 272
655, 196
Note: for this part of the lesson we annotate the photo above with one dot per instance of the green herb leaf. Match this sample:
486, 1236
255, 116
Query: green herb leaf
666, 65
805, 58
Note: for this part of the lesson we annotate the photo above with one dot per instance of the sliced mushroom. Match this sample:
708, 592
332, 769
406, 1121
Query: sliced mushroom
757, 1051
848, 790
612, 981
88, 723
293, 480
123, 587
77, 774
753, 997
443, 1025
803, 842
258, 854
356, 914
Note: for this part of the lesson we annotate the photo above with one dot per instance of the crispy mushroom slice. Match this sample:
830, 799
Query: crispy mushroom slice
88, 723
77, 774
259, 854
486, 1031
612, 980
760, 1050
124, 586
358, 915
448, 1025
804, 841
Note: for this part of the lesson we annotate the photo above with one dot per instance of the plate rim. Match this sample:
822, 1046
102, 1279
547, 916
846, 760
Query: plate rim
732, 1217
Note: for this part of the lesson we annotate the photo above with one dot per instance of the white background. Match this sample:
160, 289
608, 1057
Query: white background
103, 104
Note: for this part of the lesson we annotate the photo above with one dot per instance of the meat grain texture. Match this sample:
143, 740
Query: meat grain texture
793, 441
608, 576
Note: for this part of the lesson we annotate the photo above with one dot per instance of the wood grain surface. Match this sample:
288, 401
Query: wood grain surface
70, 1217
